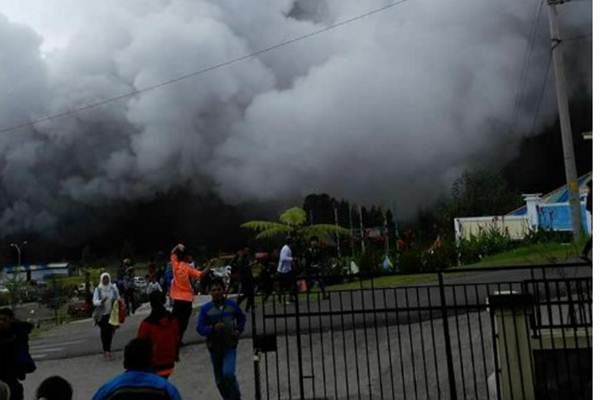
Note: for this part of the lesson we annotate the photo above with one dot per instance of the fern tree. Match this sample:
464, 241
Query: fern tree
293, 222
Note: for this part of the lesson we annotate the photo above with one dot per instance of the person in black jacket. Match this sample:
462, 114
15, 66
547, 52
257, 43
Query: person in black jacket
313, 266
246, 279
9, 370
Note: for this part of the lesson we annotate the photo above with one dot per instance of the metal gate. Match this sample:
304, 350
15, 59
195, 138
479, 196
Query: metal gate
466, 335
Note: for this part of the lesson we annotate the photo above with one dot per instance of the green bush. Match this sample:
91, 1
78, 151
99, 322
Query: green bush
440, 258
408, 261
370, 261
490, 241
547, 236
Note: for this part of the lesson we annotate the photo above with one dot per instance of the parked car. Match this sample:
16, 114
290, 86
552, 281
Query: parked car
80, 309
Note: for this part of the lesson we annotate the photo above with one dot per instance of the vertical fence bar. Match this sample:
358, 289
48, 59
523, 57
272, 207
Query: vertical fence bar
365, 330
412, 347
310, 344
299, 348
460, 355
564, 335
483, 353
277, 369
344, 343
425, 374
355, 345
448, 345
548, 299
574, 324
322, 346
433, 344
387, 331
471, 342
374, 307
333, 358
505, 370
264, 330
400, 343
518, 346
256, 363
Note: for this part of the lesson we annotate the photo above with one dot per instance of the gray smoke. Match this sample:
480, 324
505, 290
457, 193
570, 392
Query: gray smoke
393, 106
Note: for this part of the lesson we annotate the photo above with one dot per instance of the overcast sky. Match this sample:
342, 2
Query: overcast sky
388, 109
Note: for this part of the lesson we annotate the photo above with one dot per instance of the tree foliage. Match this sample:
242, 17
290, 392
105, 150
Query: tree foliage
293, 222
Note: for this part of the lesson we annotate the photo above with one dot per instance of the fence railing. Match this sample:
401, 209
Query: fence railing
485, 334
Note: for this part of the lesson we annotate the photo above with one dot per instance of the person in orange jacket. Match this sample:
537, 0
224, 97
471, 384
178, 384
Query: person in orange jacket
181, 291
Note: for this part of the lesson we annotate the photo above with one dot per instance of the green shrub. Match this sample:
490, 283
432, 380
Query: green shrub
547, 236
488, 242
408, 261
442, 257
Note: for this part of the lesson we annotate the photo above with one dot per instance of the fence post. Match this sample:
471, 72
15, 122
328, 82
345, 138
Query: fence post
515, 351
299, 344
448, 345
257, 391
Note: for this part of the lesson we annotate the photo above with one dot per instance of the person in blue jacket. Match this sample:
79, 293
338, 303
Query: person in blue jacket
221, 321
139, 380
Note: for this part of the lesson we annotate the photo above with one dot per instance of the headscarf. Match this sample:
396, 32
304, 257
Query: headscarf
101, 285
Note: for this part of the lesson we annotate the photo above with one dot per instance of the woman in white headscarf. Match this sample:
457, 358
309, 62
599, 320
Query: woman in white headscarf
105, 295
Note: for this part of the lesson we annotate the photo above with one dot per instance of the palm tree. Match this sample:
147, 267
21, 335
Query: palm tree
293, 222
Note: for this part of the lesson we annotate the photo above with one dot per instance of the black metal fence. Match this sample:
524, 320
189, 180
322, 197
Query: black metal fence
509, 333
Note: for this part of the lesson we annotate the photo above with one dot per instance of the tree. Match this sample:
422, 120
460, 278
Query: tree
293, 222
482, 192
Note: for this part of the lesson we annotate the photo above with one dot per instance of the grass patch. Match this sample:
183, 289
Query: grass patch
539, 253
386, 281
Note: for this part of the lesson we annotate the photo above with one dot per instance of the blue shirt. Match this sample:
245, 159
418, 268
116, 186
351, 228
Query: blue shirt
139, 382
232, 318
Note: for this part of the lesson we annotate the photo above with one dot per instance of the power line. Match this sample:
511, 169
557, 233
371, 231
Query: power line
524, 71
202, 71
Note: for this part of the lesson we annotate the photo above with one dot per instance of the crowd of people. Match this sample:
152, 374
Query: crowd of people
150, 358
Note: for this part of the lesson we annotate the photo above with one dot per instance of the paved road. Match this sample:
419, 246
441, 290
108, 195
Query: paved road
82, 338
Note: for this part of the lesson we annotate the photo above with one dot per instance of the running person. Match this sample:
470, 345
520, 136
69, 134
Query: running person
221, 321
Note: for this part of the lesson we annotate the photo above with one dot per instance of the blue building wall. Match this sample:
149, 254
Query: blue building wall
558, 217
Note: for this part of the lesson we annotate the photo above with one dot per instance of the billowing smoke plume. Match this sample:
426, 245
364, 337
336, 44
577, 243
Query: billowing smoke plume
389, 107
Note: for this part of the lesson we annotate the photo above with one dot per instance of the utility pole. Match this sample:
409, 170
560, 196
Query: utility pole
565, 118
350, 207
362, 230
337, 236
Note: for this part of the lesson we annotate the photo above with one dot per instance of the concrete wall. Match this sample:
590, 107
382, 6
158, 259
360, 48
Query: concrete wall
515, 226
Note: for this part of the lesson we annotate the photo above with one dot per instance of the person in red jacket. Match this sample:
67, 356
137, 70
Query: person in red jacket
181, 291
162, 329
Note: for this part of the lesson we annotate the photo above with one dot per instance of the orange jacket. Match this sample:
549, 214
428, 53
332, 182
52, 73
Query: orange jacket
164, 336
181, 287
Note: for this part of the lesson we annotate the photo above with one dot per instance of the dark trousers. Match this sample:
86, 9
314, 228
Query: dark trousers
315, 278
129, 297
287, 284
106, 332
247, 294
182, 310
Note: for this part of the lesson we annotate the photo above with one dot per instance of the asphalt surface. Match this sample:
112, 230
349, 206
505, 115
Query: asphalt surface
344, 310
